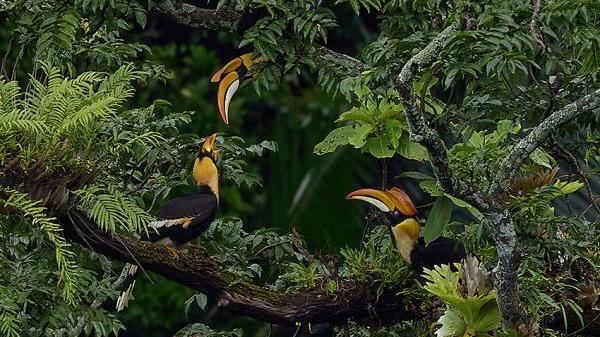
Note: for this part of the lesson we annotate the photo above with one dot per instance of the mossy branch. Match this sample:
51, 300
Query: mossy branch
196, 269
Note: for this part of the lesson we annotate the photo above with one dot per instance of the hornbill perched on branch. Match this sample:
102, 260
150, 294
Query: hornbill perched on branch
184, 218
400, 211
229, 77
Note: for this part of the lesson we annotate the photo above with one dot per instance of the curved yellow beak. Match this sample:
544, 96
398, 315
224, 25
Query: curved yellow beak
229, 76
387, 201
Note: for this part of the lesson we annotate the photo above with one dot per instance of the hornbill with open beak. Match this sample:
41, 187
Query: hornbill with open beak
184, 218
229, 77
400, 211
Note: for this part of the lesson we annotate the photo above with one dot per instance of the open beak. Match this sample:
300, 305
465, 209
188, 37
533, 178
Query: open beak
387, 201
209, 143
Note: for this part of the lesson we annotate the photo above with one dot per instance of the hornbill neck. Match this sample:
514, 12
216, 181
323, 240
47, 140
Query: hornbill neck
206, 174
406, 235
404, 244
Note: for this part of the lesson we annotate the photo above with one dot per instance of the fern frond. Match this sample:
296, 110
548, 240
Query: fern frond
21, 121
119, 83
90, 115
9, 95
65, 258
112, 210
9, 323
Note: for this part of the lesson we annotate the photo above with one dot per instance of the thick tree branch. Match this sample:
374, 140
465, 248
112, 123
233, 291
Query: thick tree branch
500, 223
514, 160
534, 26
228, 20
213, 19
506, 283
420, 131
195, 269
332, 59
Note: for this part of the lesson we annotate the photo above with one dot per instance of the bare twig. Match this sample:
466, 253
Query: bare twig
296, 240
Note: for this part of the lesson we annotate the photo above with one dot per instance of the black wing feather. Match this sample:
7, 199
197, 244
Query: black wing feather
201, 207
440, 251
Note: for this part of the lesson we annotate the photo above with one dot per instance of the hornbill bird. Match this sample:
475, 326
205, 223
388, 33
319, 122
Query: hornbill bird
184, 218
400, 211
229, 77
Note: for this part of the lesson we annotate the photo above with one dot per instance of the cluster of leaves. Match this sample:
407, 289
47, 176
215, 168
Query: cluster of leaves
477, 158
199, 329
80, 35
395, 330
559, 248
233, 153
243, 253
377, 263
472, 308
377, 126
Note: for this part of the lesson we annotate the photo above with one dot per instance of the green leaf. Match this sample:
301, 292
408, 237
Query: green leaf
430, 186
411, 150
379, 147
334, 139
359, 137
488, 318
438, 219
452, 324
568, 188
415, 175
541, 158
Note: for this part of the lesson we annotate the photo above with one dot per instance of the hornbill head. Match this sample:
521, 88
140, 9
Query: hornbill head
229, 76
400, 210
205, 169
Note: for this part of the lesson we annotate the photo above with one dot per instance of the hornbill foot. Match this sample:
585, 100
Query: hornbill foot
173, 252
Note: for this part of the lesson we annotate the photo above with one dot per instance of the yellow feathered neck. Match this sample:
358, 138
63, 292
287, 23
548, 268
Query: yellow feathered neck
205, 173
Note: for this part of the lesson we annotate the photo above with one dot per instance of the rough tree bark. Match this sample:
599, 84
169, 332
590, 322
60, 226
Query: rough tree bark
491, 203
195, 268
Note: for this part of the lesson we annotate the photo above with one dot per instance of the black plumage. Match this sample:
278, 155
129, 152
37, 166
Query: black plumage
201, 207
440, 251
184, 218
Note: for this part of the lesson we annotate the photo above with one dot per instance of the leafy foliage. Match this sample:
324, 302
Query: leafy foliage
472, 311
378, 128
75, 141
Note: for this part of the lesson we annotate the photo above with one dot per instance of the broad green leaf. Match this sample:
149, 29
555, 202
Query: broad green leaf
412, 150
568, 188
476, 139
430, 186
379, 147
334, 139
355, 114
452, 325
360, 135
541, 158
438, 218
488, 318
